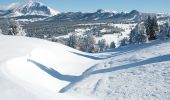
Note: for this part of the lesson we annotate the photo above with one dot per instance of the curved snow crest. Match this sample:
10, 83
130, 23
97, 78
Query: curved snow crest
57, 65
30, 70
42, 78
30, 73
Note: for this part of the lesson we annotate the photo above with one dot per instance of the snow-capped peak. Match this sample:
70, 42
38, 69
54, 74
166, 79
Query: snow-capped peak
106, 11
31, 8
37, 8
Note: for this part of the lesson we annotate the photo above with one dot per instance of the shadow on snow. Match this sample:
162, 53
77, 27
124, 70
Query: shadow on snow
121, 51
116, 68
55, 73
74, 79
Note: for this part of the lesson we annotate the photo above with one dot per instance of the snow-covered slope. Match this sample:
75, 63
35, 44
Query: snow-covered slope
139, 72
33, 69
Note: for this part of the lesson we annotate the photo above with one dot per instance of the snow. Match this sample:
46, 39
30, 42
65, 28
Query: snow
34, 69
53, 12
117, 37
32, 4
28, 66
30, 8
133, 17
138, 72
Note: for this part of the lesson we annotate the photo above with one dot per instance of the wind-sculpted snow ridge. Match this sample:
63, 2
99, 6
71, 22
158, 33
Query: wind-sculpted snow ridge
34, 69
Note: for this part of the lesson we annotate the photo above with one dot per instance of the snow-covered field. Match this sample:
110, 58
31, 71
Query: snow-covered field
117, 37
34, 69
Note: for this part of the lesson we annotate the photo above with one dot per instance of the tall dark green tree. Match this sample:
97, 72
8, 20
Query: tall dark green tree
151, 26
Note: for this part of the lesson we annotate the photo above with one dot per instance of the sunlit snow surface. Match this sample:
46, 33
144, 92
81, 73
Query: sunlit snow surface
34, 69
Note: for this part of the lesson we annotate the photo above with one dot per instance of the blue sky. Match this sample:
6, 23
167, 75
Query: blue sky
162, 6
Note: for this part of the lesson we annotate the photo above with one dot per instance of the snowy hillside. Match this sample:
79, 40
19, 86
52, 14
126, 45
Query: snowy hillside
34, 69
138, 72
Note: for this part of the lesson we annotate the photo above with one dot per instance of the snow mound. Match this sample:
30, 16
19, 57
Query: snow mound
38, 69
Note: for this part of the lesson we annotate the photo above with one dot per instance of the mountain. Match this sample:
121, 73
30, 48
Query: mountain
99, 15
106, 16
37, 11
36, 8
30, 8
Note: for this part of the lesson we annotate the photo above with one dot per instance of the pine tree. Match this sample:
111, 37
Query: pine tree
151, 26
88, 43
73, 41
112, 45
124, 41
165, 31
102, 44
138, 34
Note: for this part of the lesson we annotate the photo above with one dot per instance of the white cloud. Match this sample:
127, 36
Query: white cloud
13, 5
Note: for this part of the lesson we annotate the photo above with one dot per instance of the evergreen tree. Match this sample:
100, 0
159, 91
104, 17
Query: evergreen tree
138, 34
151, 26
165, 31
124, 41
73, 41
88, 43
112, 45
102, 44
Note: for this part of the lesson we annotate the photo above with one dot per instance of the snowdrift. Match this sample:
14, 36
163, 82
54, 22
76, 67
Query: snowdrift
40, 66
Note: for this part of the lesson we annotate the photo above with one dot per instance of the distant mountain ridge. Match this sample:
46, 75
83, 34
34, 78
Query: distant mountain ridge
35, 11
99, 15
